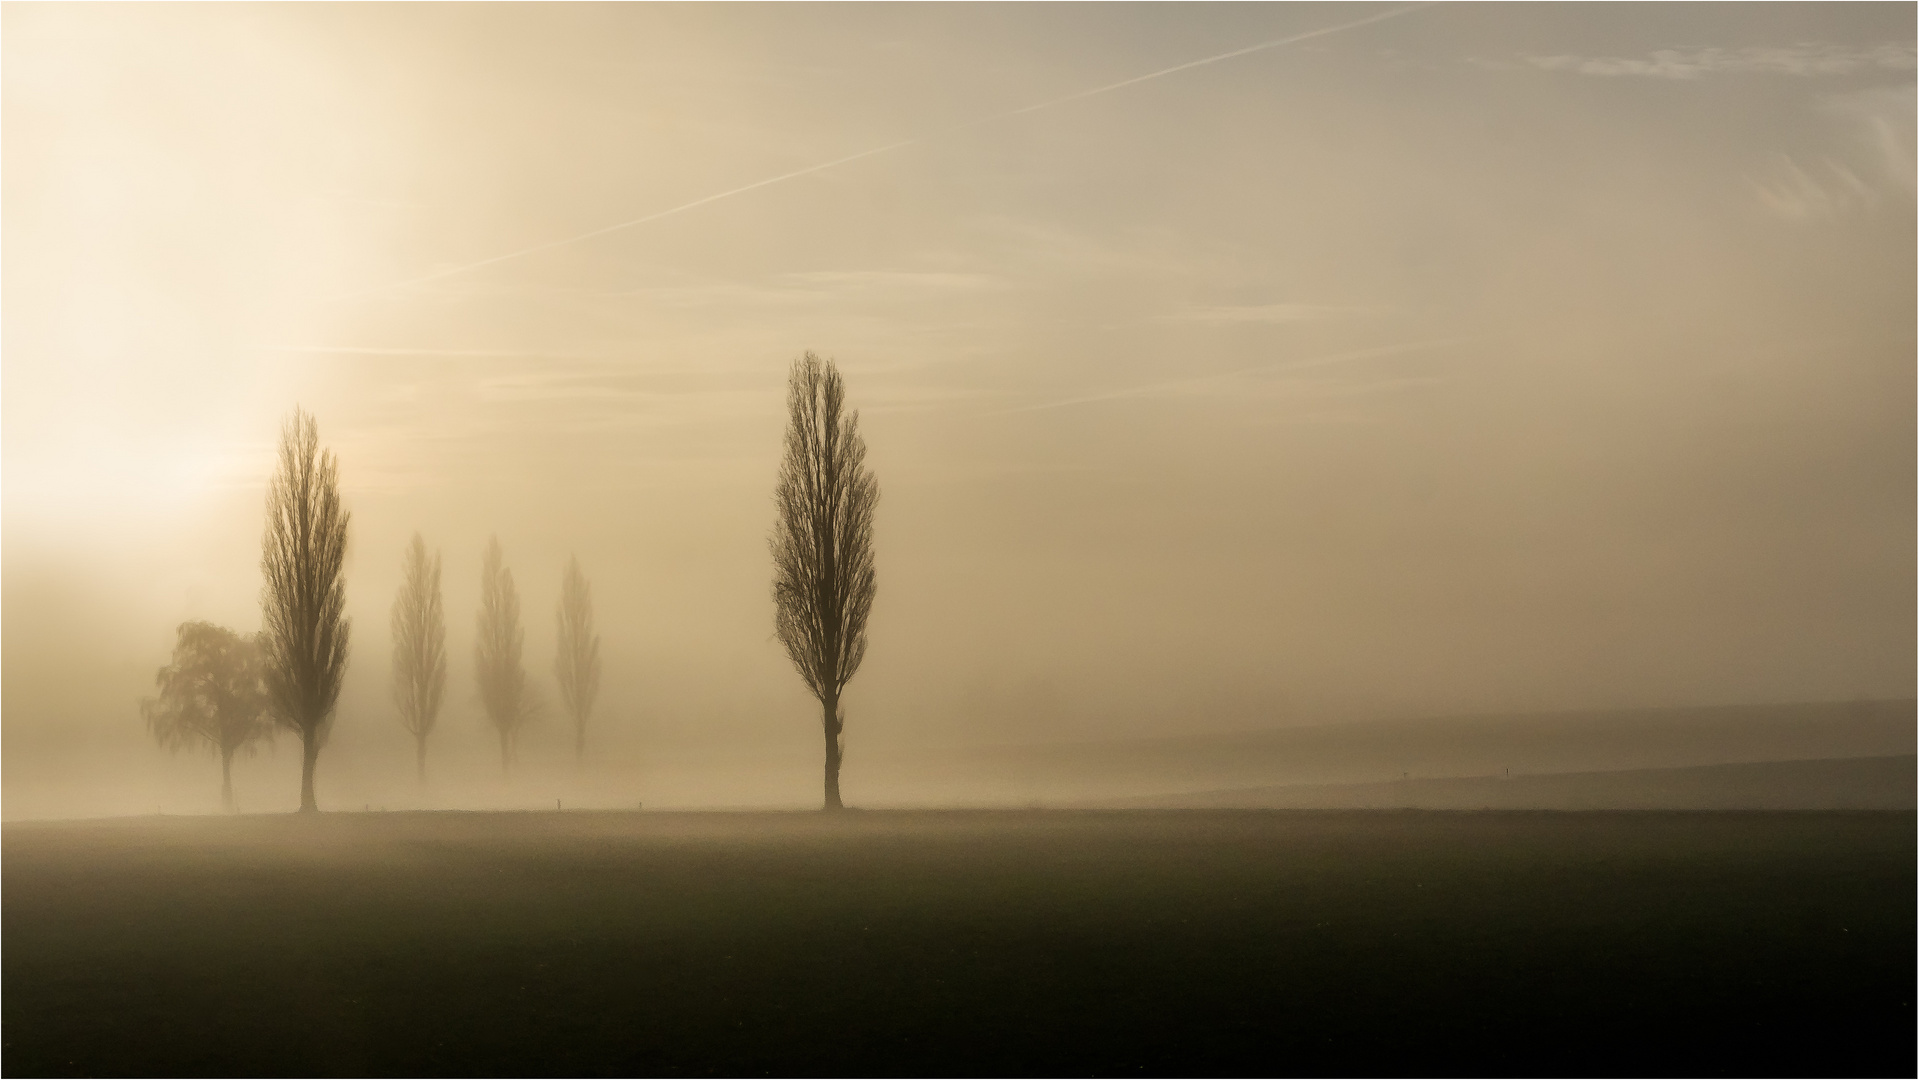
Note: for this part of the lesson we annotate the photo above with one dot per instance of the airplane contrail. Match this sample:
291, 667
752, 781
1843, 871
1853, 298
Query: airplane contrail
549, 245
1261, 47
822, 166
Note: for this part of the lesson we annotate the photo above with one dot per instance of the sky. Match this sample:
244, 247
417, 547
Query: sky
1425, 360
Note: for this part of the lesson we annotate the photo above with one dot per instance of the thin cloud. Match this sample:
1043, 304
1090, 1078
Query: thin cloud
1235, 381
1867, 166
1332, 359
1161, 73
1272, 313
446, 354
1880, 123
682, 208
1043, 244
891, 281
1801, 60
901, 144
1798, 194
811, 287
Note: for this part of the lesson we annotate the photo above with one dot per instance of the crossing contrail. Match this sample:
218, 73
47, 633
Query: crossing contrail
1163, 72
824, 165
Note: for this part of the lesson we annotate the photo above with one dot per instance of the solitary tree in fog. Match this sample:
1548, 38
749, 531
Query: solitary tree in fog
497, 654
419, 646
212, 695
304, 553
578, 664
823, 581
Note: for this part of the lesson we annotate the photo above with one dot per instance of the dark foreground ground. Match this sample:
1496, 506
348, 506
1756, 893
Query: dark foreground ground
1141, 942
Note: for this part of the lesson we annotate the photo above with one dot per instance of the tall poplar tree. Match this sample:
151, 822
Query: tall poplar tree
304, 598
823, 580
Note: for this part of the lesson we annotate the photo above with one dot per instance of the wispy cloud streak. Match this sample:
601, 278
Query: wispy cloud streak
1221, 381
1229, 315
1802, 60
1082, 95
1163, 72
680, 209
449, 354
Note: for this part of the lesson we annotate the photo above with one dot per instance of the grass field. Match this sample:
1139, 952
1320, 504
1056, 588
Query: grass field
1133, 942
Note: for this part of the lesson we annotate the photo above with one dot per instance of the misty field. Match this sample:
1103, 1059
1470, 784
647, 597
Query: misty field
931, 943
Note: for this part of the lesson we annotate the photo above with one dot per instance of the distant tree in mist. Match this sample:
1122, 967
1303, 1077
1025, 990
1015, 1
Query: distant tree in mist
497, 654
212, 695
419, 647
823, 579
577, 666
304, 598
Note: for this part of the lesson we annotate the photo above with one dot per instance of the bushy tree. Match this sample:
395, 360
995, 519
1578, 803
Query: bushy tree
213, 695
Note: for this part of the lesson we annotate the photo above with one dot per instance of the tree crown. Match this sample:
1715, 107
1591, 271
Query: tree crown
419, 640
822, 543
213, 694
304, 597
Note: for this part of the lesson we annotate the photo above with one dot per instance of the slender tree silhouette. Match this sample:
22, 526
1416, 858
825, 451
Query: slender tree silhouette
577, 667
823, 579
419, 647
497, 653
304, 552
212, 695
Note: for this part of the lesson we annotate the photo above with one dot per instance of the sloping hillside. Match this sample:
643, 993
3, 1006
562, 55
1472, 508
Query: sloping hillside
1876, 783
1375, 753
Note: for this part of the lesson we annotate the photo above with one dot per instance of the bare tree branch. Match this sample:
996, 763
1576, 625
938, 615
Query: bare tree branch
304, 596
577, 667
497, 653
822, 543
419, 647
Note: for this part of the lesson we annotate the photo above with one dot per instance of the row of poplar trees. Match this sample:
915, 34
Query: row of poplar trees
226, 691
419, 651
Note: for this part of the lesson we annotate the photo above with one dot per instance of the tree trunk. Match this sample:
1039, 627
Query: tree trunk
579, 741
830, 709
226, 779
419, 758
309, 756
506, 755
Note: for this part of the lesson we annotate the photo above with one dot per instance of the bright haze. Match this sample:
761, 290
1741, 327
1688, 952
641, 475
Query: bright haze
1459, 359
